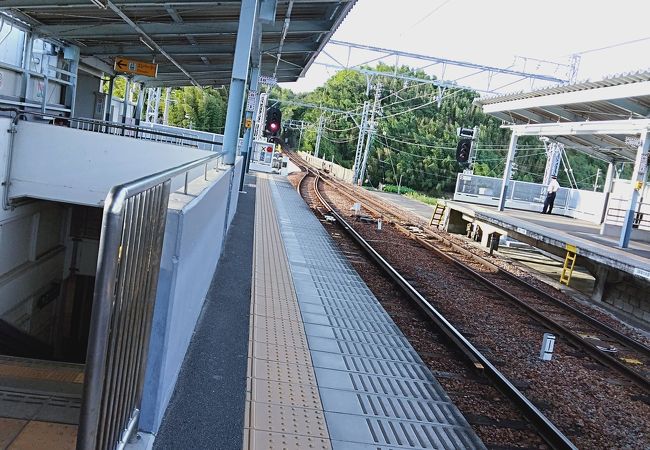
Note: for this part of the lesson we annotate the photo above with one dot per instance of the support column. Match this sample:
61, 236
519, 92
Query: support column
321, 123
111, 85
600, 283
139, 106
156, 106
241, 62
168, 99
248, 134
512, 150
72, 55
127, 97
607, 189
638, 179
27, 60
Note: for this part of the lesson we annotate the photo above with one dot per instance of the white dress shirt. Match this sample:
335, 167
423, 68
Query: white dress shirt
553, 186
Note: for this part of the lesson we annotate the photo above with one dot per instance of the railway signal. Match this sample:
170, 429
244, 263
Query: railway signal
273, 121
465, 153
462, 150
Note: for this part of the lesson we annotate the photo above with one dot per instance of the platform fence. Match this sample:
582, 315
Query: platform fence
128, 265
577, 203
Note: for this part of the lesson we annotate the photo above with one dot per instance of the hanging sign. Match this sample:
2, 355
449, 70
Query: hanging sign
251, 101
269, 81
146, 69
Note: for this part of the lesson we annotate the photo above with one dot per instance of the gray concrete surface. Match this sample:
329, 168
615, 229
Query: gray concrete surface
207, 408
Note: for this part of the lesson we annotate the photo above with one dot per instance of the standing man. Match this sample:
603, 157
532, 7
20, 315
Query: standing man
551, 192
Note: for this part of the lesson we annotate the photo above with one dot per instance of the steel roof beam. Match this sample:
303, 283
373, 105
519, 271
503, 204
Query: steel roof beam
389, 52
631, 106
144, 36
126, 31
44, 4
187, 50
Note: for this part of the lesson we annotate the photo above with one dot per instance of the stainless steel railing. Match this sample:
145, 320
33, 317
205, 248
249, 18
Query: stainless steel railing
184, 138
130, 249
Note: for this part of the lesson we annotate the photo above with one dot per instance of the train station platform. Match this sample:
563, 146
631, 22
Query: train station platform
321, 365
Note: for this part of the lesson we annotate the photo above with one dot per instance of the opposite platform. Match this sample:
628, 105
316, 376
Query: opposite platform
328, 368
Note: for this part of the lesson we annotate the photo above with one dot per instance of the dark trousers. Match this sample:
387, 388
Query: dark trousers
548, 203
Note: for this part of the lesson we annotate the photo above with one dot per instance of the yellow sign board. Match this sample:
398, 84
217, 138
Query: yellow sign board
136, 67
249, 123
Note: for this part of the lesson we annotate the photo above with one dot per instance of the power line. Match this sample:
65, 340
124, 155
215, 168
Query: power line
620, 44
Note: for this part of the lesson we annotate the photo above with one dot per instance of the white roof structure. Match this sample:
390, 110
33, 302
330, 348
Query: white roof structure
618, 98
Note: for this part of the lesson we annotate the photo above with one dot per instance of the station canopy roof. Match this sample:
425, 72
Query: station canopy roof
619, 97
199, 35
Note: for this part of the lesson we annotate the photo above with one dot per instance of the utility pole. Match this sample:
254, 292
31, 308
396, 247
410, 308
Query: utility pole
597, 178
321, 122
168, 99
362, 134
372, 126
302, 127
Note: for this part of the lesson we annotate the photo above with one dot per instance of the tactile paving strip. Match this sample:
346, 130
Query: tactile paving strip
376, 392
283, 408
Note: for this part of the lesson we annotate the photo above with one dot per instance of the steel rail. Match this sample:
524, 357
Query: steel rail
572, 337
547, 430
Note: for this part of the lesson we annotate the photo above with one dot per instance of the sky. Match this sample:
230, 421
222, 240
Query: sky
493, 32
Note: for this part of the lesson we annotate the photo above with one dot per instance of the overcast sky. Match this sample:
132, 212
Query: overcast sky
492, 32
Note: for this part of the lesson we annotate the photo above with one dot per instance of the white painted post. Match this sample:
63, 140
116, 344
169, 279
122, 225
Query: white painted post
637, 182
548, 344
512, 150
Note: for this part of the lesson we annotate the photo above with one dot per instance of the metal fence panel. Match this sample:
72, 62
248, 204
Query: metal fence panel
127, 275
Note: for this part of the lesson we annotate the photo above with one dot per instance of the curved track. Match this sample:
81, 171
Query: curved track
545, 428
603, 343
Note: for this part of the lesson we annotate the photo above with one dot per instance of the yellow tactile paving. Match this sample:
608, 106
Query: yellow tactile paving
283, 409
45, 436
16, 368
284, 441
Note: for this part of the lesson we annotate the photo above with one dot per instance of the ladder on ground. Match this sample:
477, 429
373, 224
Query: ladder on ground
438, 214
569, 263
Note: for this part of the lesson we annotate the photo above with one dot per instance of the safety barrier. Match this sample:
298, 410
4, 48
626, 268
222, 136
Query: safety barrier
617, 209
581, 204
150, 132
127, 274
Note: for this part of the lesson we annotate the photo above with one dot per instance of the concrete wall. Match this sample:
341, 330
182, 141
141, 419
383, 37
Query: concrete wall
194, 236
31, 252
75, 166
85, 101
335, 170
625, 293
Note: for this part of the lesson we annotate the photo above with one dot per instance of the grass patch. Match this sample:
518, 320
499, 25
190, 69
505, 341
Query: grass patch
411, 193
422, 198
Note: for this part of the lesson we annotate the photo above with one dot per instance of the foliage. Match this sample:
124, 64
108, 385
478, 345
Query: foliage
410, 193
422, 198
394, 189
200, 109
415, 142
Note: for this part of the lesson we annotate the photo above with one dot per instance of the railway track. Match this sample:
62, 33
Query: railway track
603, 343
546, 430
596, 340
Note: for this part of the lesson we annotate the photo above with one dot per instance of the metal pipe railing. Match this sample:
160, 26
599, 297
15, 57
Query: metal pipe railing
139, 132
128, 265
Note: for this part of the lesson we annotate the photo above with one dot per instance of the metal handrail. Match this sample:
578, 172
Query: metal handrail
137, 129
128, 265
107, 125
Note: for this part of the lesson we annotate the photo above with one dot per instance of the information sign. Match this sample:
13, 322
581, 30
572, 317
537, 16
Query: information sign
146, 69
